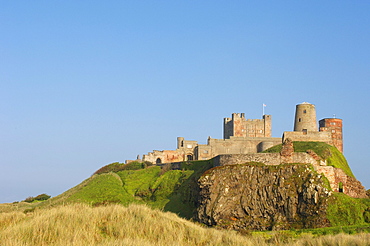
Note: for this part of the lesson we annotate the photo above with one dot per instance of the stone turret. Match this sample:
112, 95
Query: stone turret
305, 118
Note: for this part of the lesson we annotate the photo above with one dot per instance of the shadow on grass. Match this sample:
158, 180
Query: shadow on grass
184, 199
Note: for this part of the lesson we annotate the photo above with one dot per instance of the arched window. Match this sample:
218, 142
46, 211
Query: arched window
158, 161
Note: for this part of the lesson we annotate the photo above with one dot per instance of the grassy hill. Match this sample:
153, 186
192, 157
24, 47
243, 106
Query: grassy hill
176, 190
158, 187
81, 224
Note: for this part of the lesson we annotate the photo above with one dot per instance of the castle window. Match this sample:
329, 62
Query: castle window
299, 120
340, 187
304, 131
189, 146
304, 111
205, 151
333, 131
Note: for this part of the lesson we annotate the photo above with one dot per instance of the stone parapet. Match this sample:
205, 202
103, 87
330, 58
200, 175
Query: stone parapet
265, 158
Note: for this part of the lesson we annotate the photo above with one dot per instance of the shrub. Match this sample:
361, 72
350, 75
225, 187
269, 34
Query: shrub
41, 197
116, 167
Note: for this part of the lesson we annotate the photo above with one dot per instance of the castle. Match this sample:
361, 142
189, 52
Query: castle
247, 136
245, 139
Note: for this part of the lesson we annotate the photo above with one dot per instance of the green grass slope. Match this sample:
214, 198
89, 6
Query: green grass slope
344, 210
170, 190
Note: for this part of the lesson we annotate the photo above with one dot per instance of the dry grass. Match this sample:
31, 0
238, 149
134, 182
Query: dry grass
81, 224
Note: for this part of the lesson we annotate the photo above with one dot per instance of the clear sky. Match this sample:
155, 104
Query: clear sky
87, 83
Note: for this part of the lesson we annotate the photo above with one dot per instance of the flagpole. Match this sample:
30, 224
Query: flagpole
263, 109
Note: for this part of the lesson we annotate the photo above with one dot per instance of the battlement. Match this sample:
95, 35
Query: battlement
239, 126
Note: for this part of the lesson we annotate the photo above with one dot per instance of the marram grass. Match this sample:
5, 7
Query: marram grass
80, 224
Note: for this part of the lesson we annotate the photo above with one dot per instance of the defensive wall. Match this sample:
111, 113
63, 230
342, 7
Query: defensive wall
191, 150
339, 181
309, 136
265, 158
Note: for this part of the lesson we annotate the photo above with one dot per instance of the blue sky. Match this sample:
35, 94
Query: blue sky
87, 83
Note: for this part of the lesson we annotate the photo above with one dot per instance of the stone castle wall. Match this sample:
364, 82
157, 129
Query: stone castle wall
339, 180
240, 145
191, 150
265, 158
309, 136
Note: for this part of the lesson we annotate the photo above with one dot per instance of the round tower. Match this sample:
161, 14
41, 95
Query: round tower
305, 118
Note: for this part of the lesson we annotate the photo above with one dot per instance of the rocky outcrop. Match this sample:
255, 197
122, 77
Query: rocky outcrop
260, 197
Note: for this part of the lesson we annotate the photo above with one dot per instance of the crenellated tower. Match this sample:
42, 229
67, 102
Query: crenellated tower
239, 126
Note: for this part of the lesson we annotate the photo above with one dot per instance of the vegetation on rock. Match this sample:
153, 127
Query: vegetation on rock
327, 152
344, 210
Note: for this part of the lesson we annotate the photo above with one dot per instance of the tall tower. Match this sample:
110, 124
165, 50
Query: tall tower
335, 126
305, 118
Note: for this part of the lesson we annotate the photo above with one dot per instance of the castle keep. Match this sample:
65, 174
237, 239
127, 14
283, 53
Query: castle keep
248, 136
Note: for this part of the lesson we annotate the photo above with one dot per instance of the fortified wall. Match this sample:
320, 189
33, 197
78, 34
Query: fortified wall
241, 136
338, 179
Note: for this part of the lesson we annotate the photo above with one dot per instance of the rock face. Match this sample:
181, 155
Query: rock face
259, 197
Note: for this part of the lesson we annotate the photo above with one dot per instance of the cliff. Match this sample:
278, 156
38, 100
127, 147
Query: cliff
260, 197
